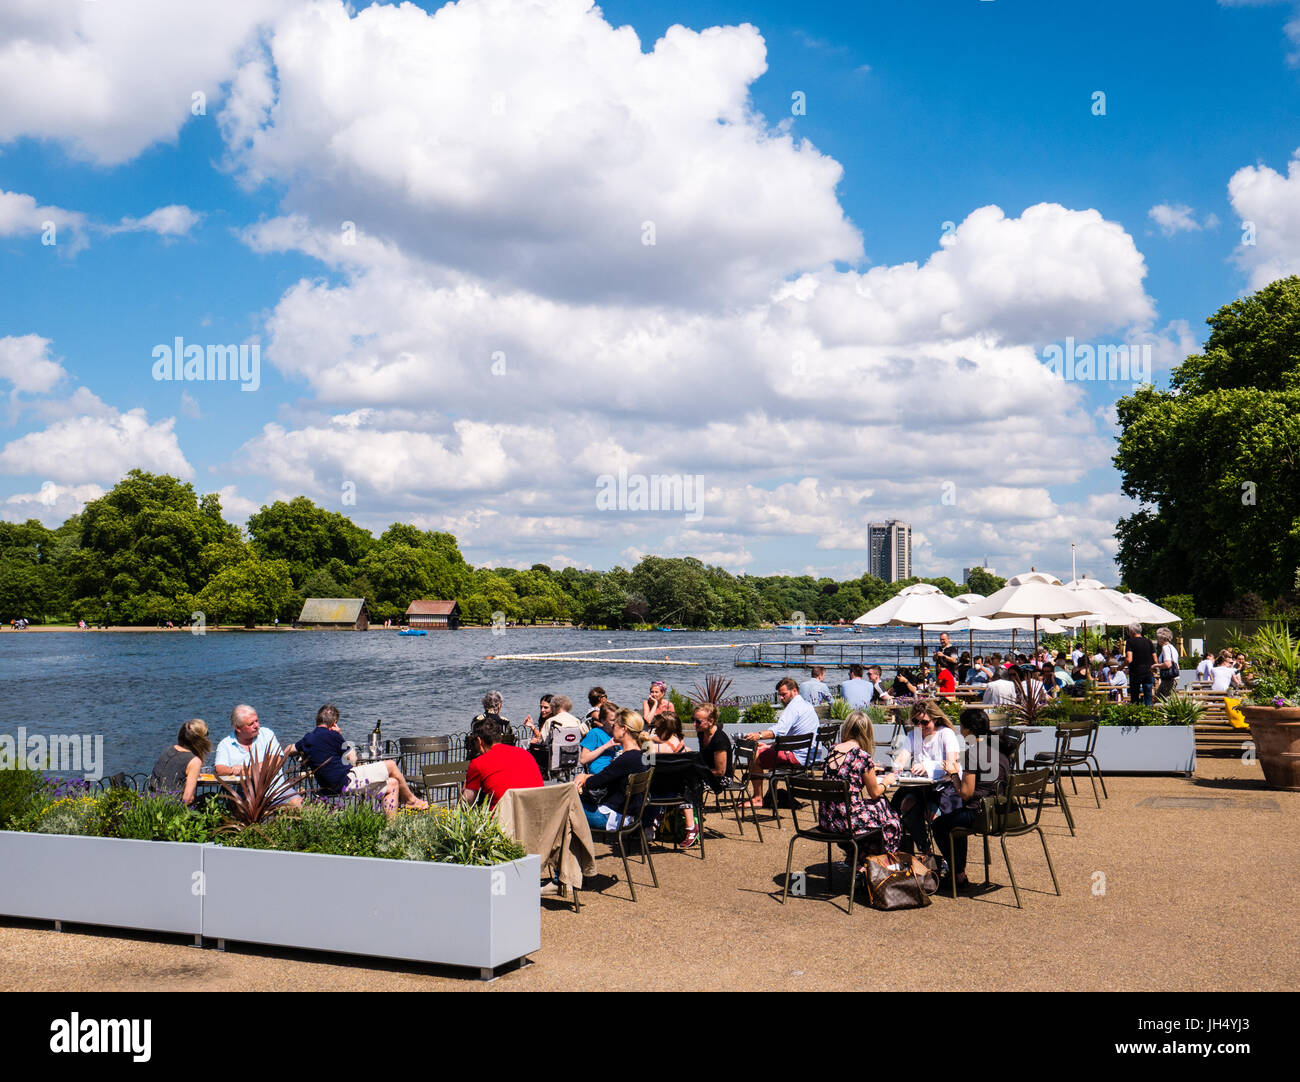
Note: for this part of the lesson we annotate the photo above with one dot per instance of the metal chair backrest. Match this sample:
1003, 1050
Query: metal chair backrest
1077, 737
801, 747
442, 777
828, 735
1021, 788
634, 800
417, 752
816, 791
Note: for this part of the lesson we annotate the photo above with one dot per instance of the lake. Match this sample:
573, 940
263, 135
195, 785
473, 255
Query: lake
134, 689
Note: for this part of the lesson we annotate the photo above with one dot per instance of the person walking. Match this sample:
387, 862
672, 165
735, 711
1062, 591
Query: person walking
1140, 657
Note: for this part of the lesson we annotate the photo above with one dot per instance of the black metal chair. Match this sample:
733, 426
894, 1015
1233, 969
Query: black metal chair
1008, 817
738, 788
417, 752
828, 735
1076, 745
443, 783
638, 788
801, 747
819, 791
679, 782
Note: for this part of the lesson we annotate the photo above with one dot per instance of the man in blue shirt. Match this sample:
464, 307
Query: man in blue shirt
856, 691
814, 689
250, 741
797, 719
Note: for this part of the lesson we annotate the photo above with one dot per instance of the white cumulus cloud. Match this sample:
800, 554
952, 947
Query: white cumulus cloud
97, 448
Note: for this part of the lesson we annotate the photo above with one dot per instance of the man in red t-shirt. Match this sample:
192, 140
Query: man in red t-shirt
498, 767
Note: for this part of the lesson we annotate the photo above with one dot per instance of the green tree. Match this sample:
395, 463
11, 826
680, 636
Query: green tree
142, 550
983, 583
307, 536
1214, 461
248, 592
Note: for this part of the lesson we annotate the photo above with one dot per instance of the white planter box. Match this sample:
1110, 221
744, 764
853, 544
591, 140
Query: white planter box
154, 886
446, 913
1132, 749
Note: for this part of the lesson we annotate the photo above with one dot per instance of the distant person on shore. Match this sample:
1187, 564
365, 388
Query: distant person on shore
336, 770
815, 689
1140, 660
249, 740
178, 767
497, 768
856, 691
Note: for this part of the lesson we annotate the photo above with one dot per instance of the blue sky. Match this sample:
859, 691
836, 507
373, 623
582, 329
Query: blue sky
502, 334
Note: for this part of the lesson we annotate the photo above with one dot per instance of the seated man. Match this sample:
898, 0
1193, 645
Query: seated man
249, 741
337, 772
1000, 691
797, 719
497, 768
814, 689
856, 691
878, 693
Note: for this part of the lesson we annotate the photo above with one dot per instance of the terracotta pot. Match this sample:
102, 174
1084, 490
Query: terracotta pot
1276, 732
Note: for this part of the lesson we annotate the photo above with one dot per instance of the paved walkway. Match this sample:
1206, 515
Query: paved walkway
1175, 884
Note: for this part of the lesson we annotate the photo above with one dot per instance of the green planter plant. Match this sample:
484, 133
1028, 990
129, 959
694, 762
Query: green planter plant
1273, 710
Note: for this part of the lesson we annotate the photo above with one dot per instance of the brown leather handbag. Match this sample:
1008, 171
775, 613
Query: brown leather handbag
893, 882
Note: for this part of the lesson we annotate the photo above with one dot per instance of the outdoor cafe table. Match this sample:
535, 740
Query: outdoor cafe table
905, 782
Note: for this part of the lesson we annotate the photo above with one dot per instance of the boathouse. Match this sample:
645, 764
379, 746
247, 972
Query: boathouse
340, 613
439, 615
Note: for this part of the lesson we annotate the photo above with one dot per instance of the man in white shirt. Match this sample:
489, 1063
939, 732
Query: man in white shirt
1205, 670
1000, 691
248, 741
797, 719
814, 689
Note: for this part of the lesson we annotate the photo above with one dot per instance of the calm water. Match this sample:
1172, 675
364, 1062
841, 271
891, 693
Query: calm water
135, 689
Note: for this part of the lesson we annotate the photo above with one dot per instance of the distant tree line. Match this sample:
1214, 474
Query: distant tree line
152, 550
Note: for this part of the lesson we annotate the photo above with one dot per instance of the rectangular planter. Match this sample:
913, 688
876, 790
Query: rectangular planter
155, 886
446, 913
1132, 749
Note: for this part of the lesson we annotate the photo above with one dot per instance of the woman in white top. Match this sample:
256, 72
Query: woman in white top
933, 750
1225, 673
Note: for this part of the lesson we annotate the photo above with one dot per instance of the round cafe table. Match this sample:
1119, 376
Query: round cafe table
906, 782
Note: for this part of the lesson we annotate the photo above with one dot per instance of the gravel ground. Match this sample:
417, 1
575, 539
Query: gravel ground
1195, 896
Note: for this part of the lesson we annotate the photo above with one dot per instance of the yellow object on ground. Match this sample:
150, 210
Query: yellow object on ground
1235, 717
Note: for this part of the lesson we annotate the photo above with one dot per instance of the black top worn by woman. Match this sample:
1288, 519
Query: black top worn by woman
609, 786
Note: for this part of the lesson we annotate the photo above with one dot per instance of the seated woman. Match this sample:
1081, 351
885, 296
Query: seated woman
178, 767
932, 750
604, 794
599, 748
543, 713
666, 732
904, 684
986, 770
654, 701
867, 809
947, 685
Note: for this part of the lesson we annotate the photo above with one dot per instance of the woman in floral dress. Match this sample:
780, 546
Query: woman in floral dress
867, 808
